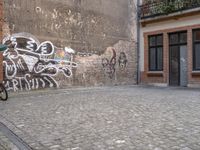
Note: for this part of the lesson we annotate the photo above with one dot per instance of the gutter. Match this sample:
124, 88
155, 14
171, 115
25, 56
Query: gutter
138, 42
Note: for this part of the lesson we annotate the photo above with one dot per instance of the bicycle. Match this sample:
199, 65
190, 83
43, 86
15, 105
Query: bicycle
3, 91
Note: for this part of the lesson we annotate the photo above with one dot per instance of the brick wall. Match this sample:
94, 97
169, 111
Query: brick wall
163, 76
100, 32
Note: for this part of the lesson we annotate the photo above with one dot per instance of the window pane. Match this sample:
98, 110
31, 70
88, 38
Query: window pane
159, 40
197, 57
173, 38
152, 41
159, 59
152, 58
183, 37
197, 35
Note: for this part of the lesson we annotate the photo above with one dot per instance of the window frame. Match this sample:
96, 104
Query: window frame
156, 46
194, 50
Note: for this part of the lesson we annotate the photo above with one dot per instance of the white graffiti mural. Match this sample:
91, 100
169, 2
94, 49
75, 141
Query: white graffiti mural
29, 64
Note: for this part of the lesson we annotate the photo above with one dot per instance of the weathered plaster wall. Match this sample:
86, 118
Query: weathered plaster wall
56, 43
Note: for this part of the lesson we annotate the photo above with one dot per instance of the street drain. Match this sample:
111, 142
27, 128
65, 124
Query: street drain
18, 142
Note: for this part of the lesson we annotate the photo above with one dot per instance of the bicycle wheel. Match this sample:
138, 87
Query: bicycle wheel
3, 93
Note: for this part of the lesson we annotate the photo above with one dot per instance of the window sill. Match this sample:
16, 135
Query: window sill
155, 73
195, 73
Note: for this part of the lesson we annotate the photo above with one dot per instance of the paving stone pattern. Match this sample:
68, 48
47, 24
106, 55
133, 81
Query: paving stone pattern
5, 143
106, 118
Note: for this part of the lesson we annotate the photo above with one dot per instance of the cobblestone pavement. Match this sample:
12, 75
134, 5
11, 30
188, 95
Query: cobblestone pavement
107, 118
5, 143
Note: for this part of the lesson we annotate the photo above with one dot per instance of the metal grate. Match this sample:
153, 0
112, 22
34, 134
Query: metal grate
164, 7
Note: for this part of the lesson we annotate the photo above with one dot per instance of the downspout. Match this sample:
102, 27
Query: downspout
1, 36
138, 42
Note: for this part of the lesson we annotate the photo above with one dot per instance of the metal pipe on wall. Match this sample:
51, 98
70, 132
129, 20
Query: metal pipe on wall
138, 42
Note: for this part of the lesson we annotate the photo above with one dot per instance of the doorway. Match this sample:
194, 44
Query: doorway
178, 59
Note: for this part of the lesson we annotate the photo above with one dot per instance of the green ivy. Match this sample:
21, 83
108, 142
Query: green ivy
166, 8
169, 8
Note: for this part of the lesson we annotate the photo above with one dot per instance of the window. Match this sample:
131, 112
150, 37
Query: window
179, 38
156, 53
196, 49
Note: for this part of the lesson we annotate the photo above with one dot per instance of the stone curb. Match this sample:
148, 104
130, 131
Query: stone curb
31, 141
6, 144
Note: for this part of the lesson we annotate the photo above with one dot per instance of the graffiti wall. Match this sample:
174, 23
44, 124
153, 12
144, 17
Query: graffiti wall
69, 43
29, 64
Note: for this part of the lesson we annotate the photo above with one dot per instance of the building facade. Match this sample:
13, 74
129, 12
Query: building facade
93, 43
170, 42
68, 43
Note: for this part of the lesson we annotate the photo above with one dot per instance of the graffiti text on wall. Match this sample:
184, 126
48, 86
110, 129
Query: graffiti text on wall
29, 64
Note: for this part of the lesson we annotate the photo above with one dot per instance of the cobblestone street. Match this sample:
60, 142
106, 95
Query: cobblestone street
6, 144
105, 118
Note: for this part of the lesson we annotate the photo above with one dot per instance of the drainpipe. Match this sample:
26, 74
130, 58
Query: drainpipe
138, 41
